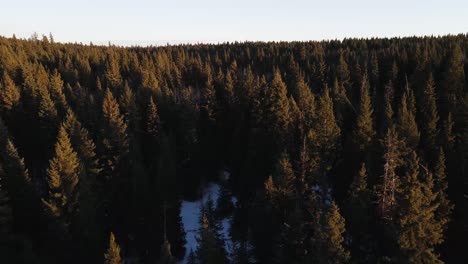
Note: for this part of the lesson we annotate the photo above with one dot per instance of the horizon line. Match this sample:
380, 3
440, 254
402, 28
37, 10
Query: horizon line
181, 42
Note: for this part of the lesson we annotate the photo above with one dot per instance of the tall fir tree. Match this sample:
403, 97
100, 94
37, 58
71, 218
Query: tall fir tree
325, 135
418, 231
407, 127
429, 119
333, 237
62, 179
9, 93
115, 140
364, 130
112, 255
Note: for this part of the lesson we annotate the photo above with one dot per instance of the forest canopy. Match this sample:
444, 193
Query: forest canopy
352, 151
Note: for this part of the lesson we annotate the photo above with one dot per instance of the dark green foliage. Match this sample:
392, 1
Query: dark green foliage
138, 130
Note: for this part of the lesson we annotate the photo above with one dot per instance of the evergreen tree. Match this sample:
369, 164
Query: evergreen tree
332, 236
56, 92
113, 78
429, 118
9, 93
419, 231
62, 180
364, 131
407, 127
112, 256
129, 108
387, 113
279, 188
305, 102
47, 111
89, 175
115, 142
276, 108
359, 217
453, 80
444, 206
153, 123
324, 137
387, 191
210, 249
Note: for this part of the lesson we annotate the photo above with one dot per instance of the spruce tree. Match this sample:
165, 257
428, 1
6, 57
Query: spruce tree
112, 255
47, 111
115, 141
364, 130
113, 78
281, 185
62, 180
276, 108
407, 127
129, 108
89, 174
359, 215
333, 237
153, 123
429, 119
9, 93
324, 137
210, 248
387, 113
419, 232
305, 102
16, 182
56, 92
444, 206
387, 190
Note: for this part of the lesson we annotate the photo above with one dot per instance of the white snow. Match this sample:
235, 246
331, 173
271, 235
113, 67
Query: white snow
190, 212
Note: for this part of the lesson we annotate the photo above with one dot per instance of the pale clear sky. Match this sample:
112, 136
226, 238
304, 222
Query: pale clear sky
146, 22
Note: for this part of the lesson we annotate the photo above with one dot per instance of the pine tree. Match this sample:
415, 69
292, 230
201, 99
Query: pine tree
305, 101
342, 72
115, 142
83, 144
62, 180
453, 80
89, 173
113, 78
153, 123
9, 93
129, 108
325, 135
419, 232
56, 92
16, 181
276, 108
387, 113
387, 191
332, 237
364, 131
358, 215
47, 111
429, 118
407, 127
444, 206
210, 248
281, 185
112, 256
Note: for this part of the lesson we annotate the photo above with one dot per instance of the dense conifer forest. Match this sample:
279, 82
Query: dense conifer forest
352, 151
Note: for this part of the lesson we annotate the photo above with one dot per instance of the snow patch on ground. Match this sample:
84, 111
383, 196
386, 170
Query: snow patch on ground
190, 213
